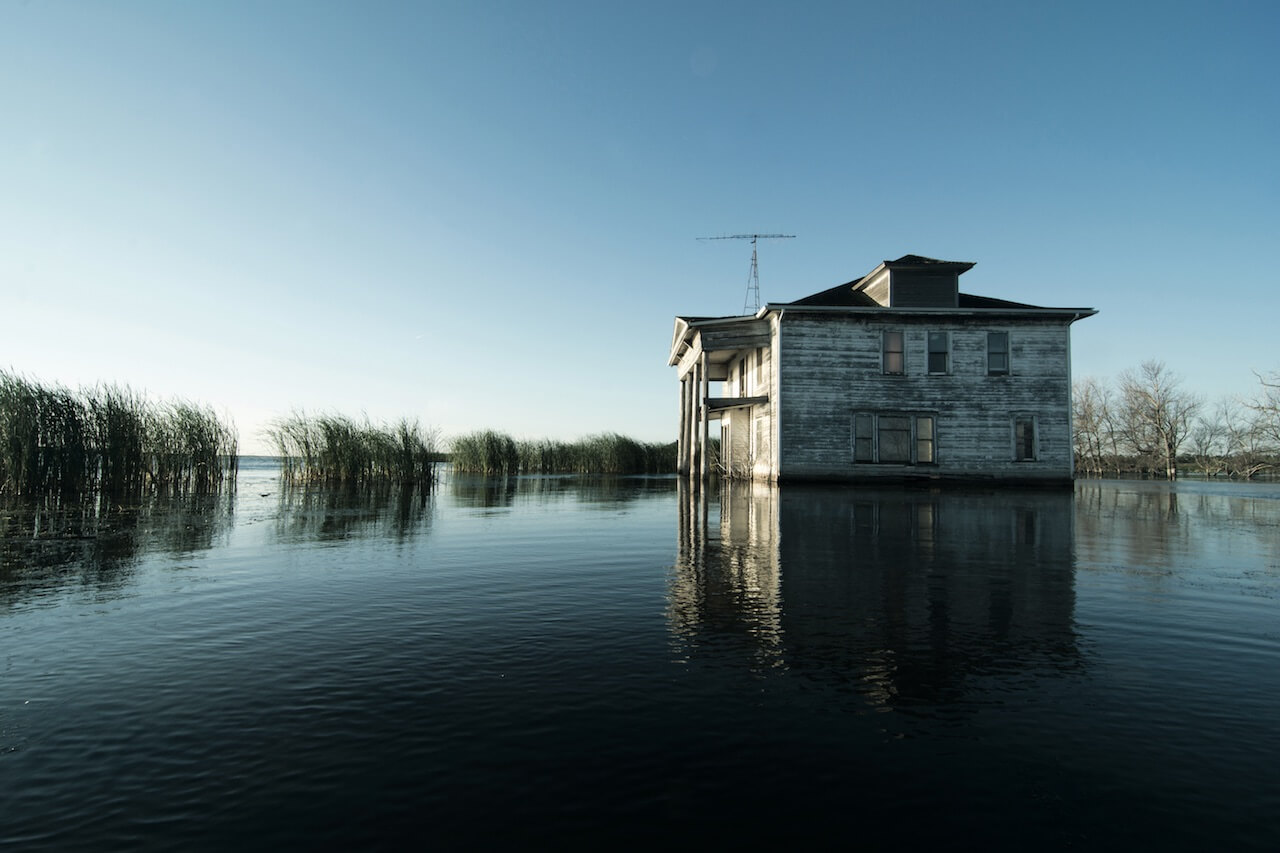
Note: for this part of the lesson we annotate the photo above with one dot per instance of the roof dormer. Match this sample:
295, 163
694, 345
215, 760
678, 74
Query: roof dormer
913, 281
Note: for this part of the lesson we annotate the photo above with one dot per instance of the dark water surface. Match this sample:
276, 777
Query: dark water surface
545, 660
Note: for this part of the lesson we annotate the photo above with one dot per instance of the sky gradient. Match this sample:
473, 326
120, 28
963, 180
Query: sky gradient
485, 214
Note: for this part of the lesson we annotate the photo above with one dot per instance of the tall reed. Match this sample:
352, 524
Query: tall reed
108, 439
485, 452
489, 452
333, 448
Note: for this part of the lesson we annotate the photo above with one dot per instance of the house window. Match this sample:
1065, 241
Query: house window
894, 438
997, 353
891, 348
864, 438
1024, 438
939, 352
924, 439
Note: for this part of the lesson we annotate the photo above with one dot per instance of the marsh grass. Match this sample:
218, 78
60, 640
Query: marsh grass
489, 452
108, 440
485, 452
339, 450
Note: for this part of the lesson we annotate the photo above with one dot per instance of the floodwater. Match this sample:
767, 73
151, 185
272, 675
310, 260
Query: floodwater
545, 660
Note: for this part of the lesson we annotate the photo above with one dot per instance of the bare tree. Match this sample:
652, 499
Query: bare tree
1248, 446
1094, 427
1267, 407
1156, 414
1209, 439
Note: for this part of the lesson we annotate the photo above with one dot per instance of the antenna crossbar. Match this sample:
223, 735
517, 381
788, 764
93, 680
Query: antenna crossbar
751, 304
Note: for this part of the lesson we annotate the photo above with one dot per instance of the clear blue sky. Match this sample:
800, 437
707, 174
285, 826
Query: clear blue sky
484, 214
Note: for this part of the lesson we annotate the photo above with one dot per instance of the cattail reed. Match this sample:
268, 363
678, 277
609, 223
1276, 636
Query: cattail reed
108, 440
335, 449
488, 452
485, 452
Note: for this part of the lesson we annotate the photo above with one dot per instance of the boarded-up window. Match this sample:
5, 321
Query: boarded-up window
939, 352
891, 344
1024, 438
997, 353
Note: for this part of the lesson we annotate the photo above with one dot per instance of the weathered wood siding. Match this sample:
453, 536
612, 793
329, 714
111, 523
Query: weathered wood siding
830, 367
878, 289
735, 442
746, 433
761, 416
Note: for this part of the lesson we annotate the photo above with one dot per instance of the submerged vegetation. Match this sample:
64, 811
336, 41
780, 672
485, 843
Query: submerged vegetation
336, 449
489, 452
108, 440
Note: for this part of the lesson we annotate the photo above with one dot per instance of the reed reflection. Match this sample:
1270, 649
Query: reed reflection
48, 545
907, 597
327, 514
588, 491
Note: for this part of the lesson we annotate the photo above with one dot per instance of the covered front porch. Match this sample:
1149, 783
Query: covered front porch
705, 351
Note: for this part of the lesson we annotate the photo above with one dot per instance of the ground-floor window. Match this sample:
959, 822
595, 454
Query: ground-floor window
902, 438
1024, 438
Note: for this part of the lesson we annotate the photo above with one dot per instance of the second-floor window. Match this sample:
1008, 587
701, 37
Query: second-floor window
892, 351
997, 353
939, 352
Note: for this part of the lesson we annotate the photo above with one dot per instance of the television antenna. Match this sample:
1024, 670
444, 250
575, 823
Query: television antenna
751, 304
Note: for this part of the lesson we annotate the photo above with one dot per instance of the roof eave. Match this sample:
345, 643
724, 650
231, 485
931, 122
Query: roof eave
1078, 313
691, 325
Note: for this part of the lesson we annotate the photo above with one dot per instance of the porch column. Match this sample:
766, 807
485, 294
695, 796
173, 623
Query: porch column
702, 418
680, 437
691, 467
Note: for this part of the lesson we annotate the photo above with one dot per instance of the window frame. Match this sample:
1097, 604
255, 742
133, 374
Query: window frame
867, 432
945, 353
1008, 368
918, 440
900, 352
1026, 448
864, 438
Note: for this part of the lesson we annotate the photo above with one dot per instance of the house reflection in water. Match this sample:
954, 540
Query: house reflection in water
909, 597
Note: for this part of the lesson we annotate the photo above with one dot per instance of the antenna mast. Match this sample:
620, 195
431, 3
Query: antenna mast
752, 302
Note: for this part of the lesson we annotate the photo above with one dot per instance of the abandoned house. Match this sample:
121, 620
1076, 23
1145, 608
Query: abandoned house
894, 376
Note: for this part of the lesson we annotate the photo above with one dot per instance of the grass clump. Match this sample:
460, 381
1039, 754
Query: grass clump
109, 440
485, 452
606, 453
336, 449
489, 452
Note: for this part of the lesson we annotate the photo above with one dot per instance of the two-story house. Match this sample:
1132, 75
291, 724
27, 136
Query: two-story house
894, 376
